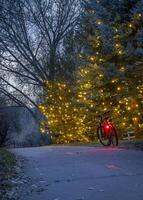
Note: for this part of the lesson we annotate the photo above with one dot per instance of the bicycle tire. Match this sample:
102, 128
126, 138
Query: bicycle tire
100, 137
114, 137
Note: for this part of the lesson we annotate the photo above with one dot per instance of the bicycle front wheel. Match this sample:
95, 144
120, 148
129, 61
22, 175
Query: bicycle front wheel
114, 137
104, 139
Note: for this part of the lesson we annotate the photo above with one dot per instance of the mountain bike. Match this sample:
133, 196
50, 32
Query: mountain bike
106, 131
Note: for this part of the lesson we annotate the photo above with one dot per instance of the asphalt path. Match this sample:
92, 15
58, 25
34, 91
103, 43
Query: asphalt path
82, 173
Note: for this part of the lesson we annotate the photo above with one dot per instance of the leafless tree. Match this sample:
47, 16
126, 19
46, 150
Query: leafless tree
31, 41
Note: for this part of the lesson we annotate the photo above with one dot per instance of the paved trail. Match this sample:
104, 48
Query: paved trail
83, 173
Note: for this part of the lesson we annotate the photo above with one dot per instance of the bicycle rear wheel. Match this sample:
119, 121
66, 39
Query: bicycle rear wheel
104, 139
114, 137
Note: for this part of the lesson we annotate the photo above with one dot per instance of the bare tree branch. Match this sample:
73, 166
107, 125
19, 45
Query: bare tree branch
31, 39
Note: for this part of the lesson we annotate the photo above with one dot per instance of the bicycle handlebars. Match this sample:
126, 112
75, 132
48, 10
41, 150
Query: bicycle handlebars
104, 114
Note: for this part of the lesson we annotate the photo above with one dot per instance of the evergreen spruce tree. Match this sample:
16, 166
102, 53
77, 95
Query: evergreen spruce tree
112, 41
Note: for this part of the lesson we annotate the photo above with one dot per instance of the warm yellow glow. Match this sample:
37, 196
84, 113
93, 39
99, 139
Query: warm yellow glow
117, 45
101, 75
99, 22
92, 58
122, 69
128, 108
130, 25
135, 119
98, 44
114, 80
120, 52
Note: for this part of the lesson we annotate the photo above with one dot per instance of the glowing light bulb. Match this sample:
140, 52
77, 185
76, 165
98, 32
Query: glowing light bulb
120, 52
92, 58
128, 108
117, 45
101, 75
98, 44
114, 80
122, 69
135, 119
99, 22
130, 25
100, 59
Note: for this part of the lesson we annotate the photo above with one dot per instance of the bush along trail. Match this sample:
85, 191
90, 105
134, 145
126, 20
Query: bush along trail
7, 172
12, 178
